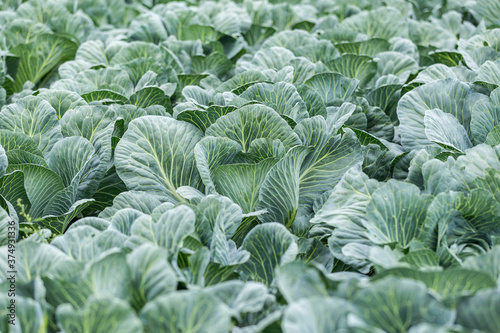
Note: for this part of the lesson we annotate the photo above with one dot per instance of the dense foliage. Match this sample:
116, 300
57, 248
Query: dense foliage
258, 166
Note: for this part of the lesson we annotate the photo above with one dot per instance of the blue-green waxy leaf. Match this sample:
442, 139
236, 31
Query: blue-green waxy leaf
442, 128
99, 315
282, 97
69, 70
305, 173
383, 22
489, 74
241, 297
109, 275
149, 153
41, 185
332, 156
203, 119
450, 96
298, 280
312, 250
396, 213
487, 10
111, 84
41, 14
211, 152
488, 262
105, 276
168, 232
333, 88
474, 163
136, 49
454, 214
61, 100
12, 190
260, 150
240, 81
217, 219
198, 264
318, 315
71, 158
140, 201
86, 121
314, 102
250, 166
397, 64
148, 27
23, 30
195, 312
395, 305
149, 96
198, 96
59, 213
18, 142
479, 48
152, 275
215, 63
30, 314
422, 258
386, 97
303, 44
35, 259
344, 212
35, 118
104, 96
279, 192
40, 57
123, 220
5, 220
450, 284
242, 182
85, 243
369, 47
493, 137
93, 52
272, 58
480, 311
270, 245
354, 66
485, 116
303, 69
432, 34
253, 122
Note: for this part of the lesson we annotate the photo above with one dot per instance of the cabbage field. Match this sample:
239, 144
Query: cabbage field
302, 166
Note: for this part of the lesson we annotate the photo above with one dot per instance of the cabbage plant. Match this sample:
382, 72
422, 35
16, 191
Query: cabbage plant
249, 166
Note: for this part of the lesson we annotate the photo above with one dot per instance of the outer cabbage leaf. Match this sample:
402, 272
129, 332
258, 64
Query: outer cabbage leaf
485, 116
333, 88
253, 122
40, 57
395, 305
99, 315
450, 96
396, 213
270, 245
195, 312
148, 154
480, 311
35, 118
303, 174
318, 315
281, 96
444, 129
